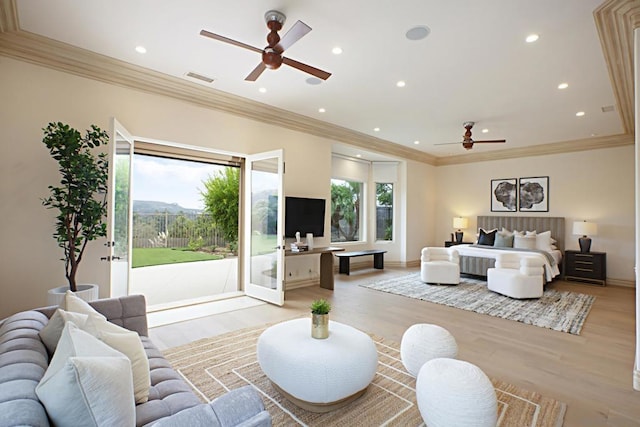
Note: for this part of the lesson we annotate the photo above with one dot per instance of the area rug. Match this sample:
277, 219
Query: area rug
213, 366
558, 310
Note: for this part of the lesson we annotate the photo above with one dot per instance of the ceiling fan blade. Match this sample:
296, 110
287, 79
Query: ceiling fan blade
253, 76
489, 141
295, 33
218, 37
306, 68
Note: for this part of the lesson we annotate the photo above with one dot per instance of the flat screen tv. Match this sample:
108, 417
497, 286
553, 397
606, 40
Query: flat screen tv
303, 215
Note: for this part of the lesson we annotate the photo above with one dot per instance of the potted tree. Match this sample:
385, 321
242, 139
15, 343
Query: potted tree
320, 318
81, 197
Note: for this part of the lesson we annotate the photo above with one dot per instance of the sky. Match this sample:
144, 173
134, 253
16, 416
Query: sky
169, 180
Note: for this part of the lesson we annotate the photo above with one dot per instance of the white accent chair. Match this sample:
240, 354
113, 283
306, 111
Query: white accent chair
517, 276
440, 265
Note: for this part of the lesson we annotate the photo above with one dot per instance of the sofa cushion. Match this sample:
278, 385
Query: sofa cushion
23, 361
169, 393
87, 383
128, 343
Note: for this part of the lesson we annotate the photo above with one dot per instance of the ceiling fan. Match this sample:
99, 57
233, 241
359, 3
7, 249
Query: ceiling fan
467, 141
272, 54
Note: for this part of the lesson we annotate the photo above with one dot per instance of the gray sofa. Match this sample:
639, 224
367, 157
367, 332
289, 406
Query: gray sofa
24, 360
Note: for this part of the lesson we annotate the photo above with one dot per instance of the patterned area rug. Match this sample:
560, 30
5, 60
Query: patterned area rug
558, 310
214, 365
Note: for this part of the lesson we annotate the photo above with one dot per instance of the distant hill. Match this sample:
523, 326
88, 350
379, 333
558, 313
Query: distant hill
148, 206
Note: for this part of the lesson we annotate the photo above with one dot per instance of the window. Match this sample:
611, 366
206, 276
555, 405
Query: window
384, 211
346, 210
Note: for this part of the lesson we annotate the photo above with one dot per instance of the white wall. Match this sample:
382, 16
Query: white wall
594, 185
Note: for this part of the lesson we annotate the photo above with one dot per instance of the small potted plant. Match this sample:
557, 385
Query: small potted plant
81, 197
320, 318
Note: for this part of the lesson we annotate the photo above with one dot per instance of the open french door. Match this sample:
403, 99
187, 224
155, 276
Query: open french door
119, 227
263, 227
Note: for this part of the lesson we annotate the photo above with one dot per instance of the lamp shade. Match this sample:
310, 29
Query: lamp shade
584, 228
460, 222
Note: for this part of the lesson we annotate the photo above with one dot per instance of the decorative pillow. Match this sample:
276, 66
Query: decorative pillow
50, 334
543, 241
128, 343
503, 240
78, 305
524, 242
530, 233
487, 237
87, 383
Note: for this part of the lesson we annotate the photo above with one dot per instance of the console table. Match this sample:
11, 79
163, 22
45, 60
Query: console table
326, 263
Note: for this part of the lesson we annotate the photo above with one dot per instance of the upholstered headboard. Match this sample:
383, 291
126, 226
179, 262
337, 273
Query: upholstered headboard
527, 223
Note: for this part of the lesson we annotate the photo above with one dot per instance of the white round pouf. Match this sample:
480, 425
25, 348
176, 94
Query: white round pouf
318, 375
455, 393
423, 342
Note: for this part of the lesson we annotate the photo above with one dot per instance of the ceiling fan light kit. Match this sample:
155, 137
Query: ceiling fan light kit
272, 54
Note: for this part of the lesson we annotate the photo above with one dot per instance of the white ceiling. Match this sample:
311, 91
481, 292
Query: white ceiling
474, 66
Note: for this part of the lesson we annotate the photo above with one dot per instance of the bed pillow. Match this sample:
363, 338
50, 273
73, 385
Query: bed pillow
87, 380
487, 237
524, 242
543, 241
503, 240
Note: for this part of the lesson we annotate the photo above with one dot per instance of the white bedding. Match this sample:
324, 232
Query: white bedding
550, 270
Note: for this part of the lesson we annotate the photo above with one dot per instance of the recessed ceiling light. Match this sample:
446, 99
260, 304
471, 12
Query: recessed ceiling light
262, 90
336, 50
563, 85
321, 110
313, 81
580, 113
376, 129
401, 83
416, 142
358, 155
418, 33
141, 49
532, 38
485, 130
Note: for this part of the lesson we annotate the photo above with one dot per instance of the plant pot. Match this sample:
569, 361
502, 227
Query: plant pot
320, 326
86, 292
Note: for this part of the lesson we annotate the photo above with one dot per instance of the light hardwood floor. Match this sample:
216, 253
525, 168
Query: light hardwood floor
592, 372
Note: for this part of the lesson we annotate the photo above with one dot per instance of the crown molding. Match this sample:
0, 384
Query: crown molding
596, 143
615, 21
8, 16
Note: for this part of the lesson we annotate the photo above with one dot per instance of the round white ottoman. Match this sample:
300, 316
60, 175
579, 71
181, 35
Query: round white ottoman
455, 393
423, 342
317, 375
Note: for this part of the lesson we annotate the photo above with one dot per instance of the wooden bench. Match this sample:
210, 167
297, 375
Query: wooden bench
345, 257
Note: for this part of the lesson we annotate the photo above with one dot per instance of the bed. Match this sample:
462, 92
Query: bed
476, 260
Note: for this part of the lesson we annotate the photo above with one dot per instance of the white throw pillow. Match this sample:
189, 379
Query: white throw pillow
543, 241
524, 242
128, 343
87, 383
78, 305
50, 334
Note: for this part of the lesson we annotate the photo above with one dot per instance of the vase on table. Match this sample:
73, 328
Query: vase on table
320, 326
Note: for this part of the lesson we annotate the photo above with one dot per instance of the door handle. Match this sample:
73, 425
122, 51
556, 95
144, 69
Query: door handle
105, 258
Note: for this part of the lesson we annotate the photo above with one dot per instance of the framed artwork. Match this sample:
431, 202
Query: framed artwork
533, 194
504, 195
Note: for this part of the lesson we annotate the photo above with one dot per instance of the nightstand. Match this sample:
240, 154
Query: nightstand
449, 243
590, 267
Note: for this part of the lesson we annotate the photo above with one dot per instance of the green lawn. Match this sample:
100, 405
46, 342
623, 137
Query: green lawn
144, 257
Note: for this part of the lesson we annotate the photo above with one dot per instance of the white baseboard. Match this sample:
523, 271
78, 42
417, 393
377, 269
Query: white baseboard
294, 284
636, 379
621, 282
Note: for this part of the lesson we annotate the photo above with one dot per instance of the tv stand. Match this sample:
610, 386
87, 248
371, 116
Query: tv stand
326, 263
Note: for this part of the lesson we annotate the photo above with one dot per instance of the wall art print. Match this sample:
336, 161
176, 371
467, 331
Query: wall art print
533, 194
504, 195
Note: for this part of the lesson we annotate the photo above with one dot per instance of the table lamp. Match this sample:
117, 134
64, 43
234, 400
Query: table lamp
459, 222
584, 228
